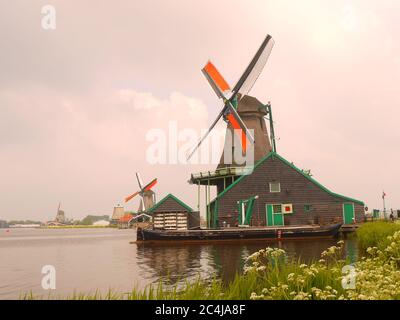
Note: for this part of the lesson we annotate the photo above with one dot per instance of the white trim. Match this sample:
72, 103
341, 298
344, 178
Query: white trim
270, 189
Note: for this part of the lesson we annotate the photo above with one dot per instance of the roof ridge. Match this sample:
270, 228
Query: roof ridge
168, 196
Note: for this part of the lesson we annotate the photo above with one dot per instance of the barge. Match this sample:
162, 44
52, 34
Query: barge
237, 234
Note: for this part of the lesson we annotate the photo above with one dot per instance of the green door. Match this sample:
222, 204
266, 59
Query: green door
274, 215
278, 215
348, 213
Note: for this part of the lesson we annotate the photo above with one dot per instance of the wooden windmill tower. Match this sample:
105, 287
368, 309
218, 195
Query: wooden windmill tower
148, 197
244, 115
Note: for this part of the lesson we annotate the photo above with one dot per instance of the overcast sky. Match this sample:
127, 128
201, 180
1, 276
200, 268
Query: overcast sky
76, 102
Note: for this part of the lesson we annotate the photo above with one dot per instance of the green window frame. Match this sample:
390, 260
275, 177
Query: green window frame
308, 208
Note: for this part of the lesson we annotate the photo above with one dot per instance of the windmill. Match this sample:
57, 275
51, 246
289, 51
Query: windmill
60, 216
231, 97
147, 195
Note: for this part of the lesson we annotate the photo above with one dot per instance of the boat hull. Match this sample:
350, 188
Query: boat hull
237, 234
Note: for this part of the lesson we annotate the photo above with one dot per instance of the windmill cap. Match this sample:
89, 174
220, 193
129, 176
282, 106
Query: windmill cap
249, 104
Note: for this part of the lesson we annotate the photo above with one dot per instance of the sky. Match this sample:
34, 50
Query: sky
78, 102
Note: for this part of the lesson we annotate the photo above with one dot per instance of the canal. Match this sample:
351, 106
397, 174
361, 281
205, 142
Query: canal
103, 259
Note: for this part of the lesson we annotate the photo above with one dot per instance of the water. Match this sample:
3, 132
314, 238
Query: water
90, 259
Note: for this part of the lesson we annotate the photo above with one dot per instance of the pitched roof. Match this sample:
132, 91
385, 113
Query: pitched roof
275, 155
169, 196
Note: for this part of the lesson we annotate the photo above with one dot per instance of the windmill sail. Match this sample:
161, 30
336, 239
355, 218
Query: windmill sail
255, 67
216, 80
223, 91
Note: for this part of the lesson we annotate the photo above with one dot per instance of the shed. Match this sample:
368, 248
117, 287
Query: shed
170, 213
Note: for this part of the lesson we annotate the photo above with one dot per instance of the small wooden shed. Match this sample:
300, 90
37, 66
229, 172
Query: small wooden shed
170, 213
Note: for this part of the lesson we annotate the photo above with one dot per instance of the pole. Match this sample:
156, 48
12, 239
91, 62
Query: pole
384, 204
271, 127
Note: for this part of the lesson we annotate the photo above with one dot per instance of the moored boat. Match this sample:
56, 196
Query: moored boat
238, 234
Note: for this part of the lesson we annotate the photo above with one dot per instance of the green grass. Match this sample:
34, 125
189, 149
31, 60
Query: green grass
374, 234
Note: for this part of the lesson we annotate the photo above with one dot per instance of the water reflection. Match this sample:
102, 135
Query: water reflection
173, 263
100, 259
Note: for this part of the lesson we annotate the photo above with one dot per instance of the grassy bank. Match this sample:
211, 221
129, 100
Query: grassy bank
374, 234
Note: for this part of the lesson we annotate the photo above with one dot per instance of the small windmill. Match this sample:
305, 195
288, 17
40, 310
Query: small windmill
148, 197
60, 216
231, 97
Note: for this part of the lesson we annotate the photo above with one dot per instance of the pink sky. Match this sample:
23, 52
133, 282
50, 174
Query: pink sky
76, 102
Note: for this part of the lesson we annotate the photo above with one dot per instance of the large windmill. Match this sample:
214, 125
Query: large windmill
241, 112
147, 195
232, 97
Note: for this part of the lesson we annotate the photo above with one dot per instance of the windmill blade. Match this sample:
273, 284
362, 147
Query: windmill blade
239, 120
216, 80
131, 196
207, 133
139, 180
150, 185
254, 69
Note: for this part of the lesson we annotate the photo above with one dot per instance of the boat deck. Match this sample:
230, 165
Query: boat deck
235, 229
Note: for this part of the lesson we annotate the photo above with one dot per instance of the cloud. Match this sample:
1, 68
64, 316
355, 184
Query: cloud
84, 150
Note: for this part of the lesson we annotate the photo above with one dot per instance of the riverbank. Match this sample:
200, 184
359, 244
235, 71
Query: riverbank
269, 274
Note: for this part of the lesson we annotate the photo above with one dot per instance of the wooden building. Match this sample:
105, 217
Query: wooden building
172, 214
277, 193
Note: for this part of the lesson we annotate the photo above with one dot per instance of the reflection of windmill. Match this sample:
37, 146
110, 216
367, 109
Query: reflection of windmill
148, 197
231, 111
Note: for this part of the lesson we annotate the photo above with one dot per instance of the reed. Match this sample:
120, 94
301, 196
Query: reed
374, 234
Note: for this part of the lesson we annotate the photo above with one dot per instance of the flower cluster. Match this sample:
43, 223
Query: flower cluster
376, 276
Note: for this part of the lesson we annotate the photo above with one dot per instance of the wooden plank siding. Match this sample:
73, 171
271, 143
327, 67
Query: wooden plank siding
296, 189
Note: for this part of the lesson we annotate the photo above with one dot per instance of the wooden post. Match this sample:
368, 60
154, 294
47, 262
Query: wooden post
198, 196
205, 188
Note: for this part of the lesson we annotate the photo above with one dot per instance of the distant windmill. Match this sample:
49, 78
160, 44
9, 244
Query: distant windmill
231, 97
60, 216
147, 195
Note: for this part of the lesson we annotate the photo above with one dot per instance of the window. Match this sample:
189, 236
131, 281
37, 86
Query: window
307, 208
274, 187
277, 208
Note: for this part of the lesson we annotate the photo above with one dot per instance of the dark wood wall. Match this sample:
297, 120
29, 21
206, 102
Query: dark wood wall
295, 189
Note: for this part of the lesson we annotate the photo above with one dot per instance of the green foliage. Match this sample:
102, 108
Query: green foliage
374, 234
